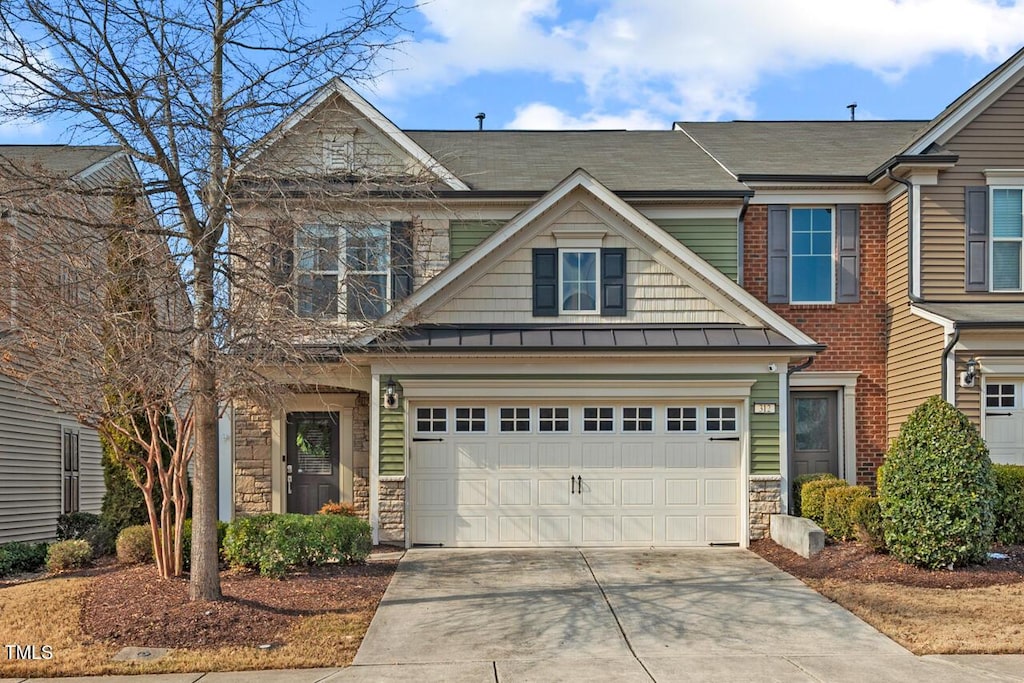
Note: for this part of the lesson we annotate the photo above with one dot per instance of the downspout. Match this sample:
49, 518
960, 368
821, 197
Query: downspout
945, 357
800, 368
910, 234
741, 229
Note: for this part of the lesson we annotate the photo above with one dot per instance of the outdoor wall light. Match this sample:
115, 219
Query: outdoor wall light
391, 394
967, 378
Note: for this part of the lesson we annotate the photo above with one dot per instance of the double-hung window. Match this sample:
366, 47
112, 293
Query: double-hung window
344, 270
578, 278
1007, 217
812, 266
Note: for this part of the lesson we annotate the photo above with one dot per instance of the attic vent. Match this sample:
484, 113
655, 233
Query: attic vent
339, 155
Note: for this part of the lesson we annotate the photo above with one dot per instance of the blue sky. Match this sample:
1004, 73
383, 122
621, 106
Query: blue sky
642, 64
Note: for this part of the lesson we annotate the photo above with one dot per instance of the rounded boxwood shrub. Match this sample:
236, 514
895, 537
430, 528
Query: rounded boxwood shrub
813, 497
839, 519
1009, 504
135, 545
867, 522
65, 555
798, 485
937, 490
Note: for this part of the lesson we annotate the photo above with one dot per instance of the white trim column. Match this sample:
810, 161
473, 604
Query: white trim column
375, 456
784, 484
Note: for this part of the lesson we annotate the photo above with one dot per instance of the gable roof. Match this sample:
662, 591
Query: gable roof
337, 87
536, 161
59, 160
706, 275
841, 149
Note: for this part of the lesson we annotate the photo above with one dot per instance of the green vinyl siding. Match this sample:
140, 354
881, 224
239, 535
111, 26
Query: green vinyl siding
713, 239
764, 429
392, 438
464, 235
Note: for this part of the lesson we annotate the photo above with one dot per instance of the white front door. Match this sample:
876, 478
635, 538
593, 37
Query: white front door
566, 474
1004, 420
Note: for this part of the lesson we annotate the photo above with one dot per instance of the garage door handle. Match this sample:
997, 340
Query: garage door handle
724, 438
423, 438
572, 485
998, 414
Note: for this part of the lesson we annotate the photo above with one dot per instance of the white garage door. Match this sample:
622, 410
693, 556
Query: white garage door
1004, 421
575, 474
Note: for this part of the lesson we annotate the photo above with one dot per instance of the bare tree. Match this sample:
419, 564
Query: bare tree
184, 88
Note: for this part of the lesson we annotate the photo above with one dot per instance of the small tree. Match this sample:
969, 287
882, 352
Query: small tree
937, 490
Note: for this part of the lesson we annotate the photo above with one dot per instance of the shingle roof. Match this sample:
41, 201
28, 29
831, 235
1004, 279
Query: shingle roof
809, 148
536, 161
586, 338
61, 160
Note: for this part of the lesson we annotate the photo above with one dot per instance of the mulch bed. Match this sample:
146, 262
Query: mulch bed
133, 606
856, 562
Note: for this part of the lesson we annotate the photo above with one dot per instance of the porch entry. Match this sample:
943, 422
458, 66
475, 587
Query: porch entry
312, 471
814, 424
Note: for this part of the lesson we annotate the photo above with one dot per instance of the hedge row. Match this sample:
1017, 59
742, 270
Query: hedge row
274, 543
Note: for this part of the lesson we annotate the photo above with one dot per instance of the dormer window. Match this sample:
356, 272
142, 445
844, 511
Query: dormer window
578, 281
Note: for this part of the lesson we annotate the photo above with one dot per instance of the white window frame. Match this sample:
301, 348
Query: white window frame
597, 280
554, 420
637, 419
832, 252
515, 420
470, 420
432, 421
1014, 385
342, 231
992, 239
683, 419
598, 419
721, 419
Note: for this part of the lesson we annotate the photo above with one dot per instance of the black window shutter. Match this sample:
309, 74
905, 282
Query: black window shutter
281, 264
613, 281
545, 282
848, 253
401, 260
778, 254
976, 239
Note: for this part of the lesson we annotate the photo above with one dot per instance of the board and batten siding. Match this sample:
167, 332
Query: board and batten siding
764, 428
504, 294
31, 435
713, 239
913, 362
995, 139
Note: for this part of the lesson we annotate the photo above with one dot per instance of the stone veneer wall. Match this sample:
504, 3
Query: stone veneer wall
252, 460
392, 509
765, 500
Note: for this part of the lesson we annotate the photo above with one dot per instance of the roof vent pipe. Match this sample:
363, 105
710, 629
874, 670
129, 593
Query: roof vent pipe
853, 111
480, 120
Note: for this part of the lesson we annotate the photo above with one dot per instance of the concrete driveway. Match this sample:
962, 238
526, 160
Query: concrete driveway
621, 615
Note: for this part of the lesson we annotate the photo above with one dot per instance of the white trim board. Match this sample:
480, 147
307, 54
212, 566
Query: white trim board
576, 390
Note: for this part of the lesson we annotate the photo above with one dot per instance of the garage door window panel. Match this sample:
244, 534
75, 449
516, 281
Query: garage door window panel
681, 419
637, 419
553, 419
1000, 396
720, 419
599, 419
471, 420
515, 420
432, 420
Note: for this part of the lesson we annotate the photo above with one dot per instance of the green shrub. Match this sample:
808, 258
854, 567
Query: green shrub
813, 495
135, 545
102, 538
20, 557
838, 515
186, 542
274, 543
800, 482
1009, 504
72, 554
76, 525
937, 490
867, 522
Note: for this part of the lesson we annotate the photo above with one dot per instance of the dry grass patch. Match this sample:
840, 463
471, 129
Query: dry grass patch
935, 620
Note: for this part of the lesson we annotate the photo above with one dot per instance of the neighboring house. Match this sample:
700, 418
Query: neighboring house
49, 464
631, 338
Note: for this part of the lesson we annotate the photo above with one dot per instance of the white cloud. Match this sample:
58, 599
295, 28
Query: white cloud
643, 62
541, 116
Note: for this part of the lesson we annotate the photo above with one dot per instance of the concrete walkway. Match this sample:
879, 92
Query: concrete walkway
615, 615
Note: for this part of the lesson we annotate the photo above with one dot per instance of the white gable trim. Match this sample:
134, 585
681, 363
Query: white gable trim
972, 106
581, 179
338, 87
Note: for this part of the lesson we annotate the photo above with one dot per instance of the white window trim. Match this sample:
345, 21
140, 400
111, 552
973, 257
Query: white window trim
992, 239
721, 419
598, 419
597, 281
470, 420
448, 417
342, 272
682, 419
514, 419
832, 251
554, 419
638, 419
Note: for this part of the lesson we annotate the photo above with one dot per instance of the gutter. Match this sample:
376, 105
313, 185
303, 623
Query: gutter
800, 368
914, 298
945, 357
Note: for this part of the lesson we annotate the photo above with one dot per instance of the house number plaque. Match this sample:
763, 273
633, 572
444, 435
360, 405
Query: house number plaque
765, 408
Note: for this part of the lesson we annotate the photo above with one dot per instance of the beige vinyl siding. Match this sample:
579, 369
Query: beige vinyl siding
713, 239
995, 139
504, 294
968, 399
464, 235
913, 367
31, 434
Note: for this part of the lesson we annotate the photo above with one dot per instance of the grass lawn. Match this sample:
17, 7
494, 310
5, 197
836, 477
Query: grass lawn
974, 610
315, 619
